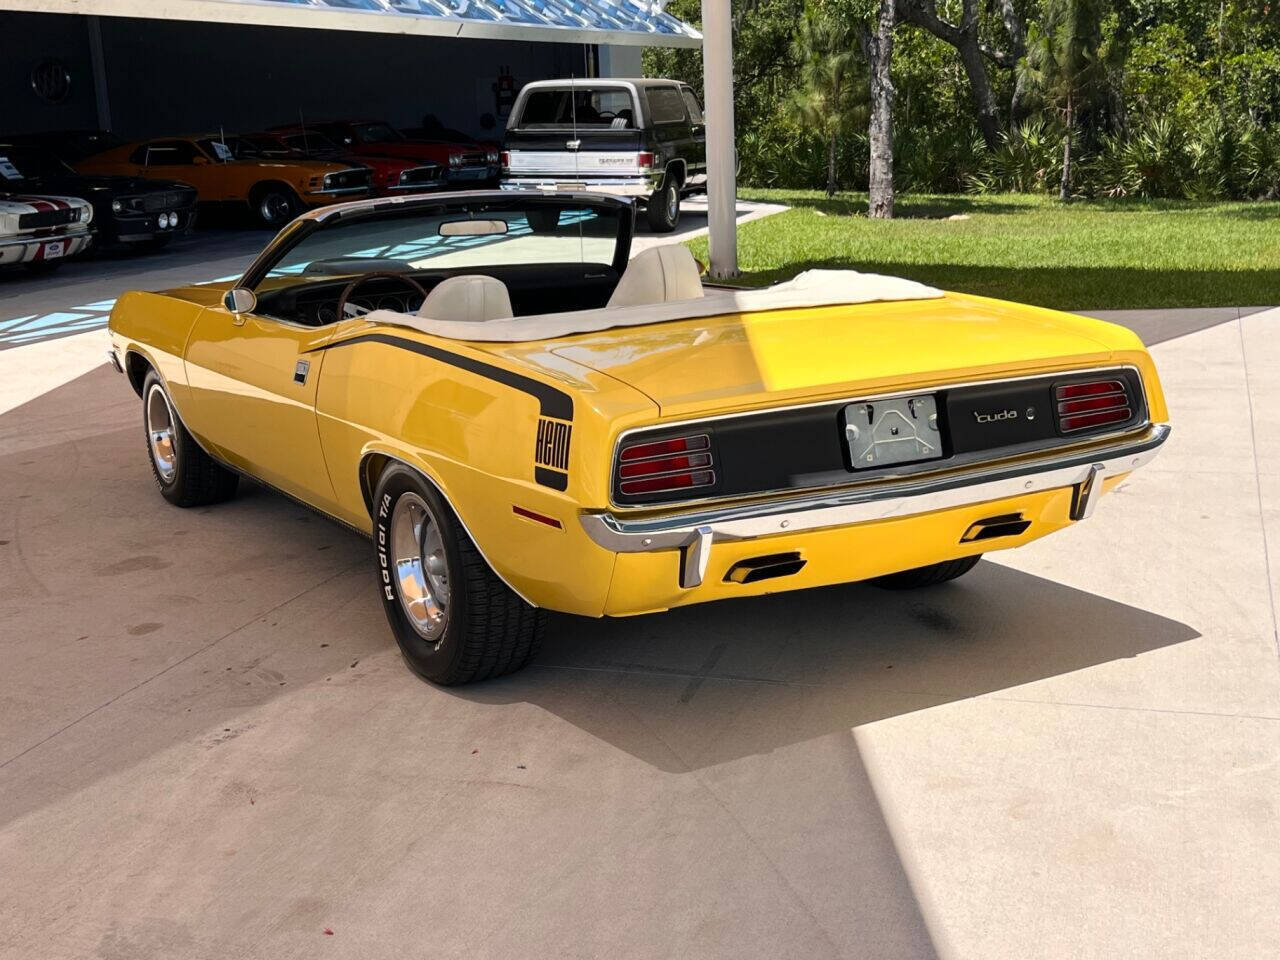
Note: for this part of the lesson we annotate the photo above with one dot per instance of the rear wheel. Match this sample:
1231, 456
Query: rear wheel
274, 204
927, 576
186, 475
454, 619
663, 208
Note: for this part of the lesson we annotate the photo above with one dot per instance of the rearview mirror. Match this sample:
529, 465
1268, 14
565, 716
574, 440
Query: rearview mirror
473, 228
239, 300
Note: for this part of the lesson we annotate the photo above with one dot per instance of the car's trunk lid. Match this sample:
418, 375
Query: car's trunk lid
702, 366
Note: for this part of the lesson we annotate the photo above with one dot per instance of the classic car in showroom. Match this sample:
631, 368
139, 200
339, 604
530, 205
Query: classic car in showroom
391, 175
274, 191
41, 232
126, 210
528, 420
465, 162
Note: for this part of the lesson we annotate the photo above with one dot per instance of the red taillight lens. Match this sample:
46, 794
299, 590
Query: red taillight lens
647, 468
677, 481
1093, 404
1073, 390
659, 448
644, 160
660, 466
506, 160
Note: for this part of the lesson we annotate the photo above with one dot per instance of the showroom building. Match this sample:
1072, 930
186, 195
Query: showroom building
145, 68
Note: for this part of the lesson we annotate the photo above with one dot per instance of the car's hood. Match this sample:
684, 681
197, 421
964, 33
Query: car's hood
698, 366
91, 186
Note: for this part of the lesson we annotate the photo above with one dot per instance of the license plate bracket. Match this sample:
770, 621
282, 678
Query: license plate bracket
882, 433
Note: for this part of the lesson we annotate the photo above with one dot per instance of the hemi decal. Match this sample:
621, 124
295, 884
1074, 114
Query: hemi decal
553, 402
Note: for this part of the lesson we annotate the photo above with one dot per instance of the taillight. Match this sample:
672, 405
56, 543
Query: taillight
644, 160
660, 466
506, 160
1095, 403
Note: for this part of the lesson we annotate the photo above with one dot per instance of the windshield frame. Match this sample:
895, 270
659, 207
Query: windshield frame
473, 203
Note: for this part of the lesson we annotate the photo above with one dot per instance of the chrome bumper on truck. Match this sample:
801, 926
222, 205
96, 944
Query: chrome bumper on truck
642, 186
693, 533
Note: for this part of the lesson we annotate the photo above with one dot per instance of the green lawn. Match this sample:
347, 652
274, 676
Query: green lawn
1107, 254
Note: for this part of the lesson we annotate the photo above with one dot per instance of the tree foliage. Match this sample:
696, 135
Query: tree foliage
1178, 97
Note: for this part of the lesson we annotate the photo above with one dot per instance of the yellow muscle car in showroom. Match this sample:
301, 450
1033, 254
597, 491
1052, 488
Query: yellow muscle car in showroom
523, 419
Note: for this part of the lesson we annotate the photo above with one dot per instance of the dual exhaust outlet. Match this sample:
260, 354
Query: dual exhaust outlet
774, 566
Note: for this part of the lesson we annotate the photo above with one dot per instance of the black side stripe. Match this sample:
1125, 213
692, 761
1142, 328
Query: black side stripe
553, 402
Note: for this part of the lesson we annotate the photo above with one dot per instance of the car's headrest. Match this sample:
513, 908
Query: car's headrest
659, 275
472, 298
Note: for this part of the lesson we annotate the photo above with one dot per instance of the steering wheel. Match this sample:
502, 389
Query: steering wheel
341, 309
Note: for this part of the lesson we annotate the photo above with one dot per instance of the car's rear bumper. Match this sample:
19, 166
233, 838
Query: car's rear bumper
693, 534
616, 186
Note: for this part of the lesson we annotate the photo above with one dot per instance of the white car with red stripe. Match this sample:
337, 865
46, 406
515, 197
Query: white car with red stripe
42, 230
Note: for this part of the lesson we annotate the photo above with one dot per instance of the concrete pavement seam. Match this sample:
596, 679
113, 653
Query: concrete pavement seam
1257, 486
1122, 706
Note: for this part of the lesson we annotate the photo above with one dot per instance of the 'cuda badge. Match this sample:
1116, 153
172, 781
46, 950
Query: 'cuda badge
995, 417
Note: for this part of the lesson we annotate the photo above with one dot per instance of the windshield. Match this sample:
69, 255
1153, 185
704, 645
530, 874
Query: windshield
17, 163
309, 141
375, 132
480, 233
603, 107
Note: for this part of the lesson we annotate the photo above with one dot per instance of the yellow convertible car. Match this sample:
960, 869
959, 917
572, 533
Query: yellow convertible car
523, 418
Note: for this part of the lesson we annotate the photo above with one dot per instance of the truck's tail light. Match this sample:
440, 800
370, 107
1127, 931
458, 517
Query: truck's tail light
1094, 403
505, 156
659, 466
644, 161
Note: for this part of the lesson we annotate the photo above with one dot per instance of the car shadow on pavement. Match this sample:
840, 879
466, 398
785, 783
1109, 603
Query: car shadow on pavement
708, 684
746, 696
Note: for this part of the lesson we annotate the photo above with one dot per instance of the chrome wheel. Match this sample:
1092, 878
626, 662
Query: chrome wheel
160, 433
421, 567
274, 207
673, 203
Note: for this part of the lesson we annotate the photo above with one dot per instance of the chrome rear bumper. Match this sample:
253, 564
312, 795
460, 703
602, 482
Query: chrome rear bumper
693, 533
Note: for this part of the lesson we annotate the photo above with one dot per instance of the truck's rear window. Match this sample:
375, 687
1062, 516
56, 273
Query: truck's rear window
607, 108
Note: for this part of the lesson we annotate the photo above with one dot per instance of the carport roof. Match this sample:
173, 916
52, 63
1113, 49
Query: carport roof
626, 22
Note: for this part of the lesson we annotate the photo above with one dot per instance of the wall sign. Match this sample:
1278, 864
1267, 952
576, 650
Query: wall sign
51, 80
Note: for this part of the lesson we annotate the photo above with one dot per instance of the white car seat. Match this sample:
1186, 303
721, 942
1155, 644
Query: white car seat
659, 275
471, 298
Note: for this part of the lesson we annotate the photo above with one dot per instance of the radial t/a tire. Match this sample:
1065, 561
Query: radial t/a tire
927, 576
185, 474
453, 617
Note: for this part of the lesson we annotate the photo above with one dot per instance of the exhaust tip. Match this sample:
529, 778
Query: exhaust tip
768, 567
1005, 525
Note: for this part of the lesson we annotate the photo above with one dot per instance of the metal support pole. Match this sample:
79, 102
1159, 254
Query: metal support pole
722, 157
99, 64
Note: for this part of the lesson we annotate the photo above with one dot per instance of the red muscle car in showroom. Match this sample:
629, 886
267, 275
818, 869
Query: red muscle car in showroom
392, 176
465, 162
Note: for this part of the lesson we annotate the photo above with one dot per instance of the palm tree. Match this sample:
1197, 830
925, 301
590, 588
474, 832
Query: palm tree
830, 95
1063, 64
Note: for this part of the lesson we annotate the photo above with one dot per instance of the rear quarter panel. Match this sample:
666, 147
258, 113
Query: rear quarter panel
474, 436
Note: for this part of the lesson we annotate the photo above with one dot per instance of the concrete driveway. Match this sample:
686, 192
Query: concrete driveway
209, 747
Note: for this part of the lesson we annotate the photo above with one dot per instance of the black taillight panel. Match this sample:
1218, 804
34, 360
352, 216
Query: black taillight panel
804, 447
